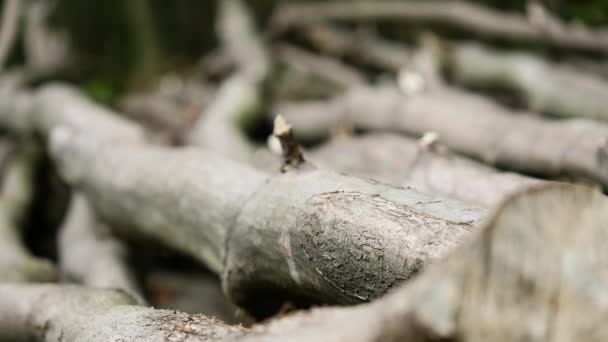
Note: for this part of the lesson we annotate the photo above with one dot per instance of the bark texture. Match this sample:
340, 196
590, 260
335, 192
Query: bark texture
548, 287
314, 234
402, 161
527, 276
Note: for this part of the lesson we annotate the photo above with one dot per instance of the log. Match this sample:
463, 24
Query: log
526, 275
538, 26
466, 123
90, 255
72, 313
547, 87
402, 161
315, 235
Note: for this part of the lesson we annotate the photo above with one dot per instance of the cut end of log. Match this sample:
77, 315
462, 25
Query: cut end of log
292, 156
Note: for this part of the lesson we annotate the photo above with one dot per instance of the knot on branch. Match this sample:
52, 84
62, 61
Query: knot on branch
292, 156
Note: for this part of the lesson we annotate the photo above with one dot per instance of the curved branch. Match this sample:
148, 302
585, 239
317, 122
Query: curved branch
73, 313
466, 123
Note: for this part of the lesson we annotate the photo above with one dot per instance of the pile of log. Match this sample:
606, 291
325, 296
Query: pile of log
426, 210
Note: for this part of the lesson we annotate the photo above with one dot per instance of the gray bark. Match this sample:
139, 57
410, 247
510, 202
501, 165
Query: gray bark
402, 161
527, 275
313, 234
71, 313
548, 87
466, 123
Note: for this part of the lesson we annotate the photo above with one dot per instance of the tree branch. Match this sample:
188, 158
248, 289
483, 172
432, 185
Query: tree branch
548, 87
538, 26
466, 123
73, 313
90, 255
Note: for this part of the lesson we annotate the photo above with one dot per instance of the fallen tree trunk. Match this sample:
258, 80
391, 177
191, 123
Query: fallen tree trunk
90, 255
547, 87
527, 275
538, 26
314, 234
402, 161
466, 123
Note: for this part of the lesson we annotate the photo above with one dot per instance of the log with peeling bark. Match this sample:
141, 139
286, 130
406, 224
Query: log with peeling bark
537, 26
466, 123
90, 255
527, 275
17, 264
547, 87
403, 161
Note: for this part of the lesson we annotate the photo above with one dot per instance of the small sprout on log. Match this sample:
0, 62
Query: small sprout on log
292, 156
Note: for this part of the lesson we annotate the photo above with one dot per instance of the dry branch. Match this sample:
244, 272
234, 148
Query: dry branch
329, 69
538, 26
90, 255
16, 262
548, 87
528, 275
364, 46
466, 123
72, 313
401, 161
